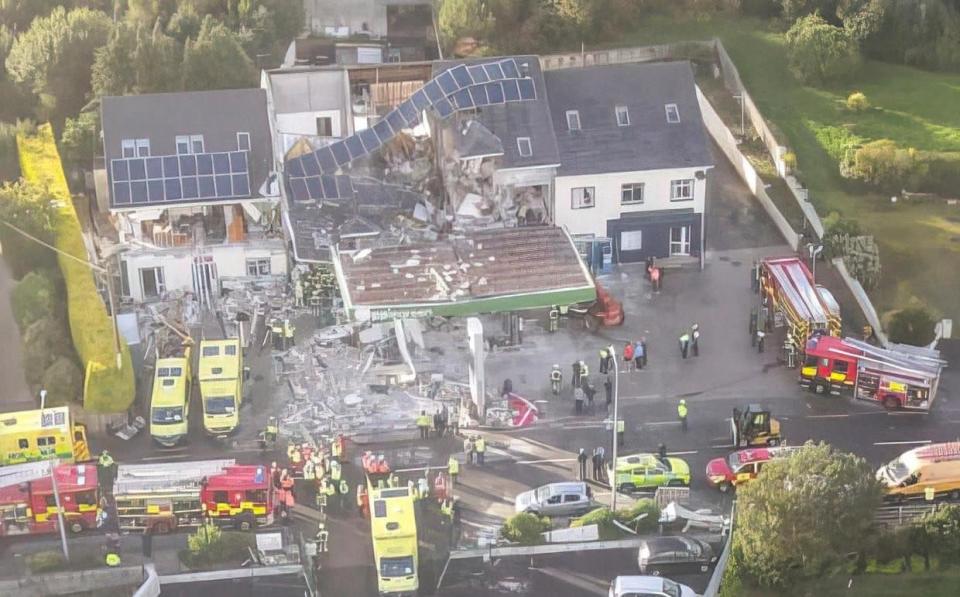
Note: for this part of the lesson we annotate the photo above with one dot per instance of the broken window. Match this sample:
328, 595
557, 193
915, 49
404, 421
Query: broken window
258, 267
582, 197
324, 126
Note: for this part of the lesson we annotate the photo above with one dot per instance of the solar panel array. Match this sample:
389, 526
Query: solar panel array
179, 178
462, 87
325, 186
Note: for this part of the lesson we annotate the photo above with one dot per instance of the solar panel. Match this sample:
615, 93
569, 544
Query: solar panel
221, 163
154, 168
138, 191
444, 109
137, 170
311, 167
447, 83
120, 171
396, 120
172, 178
188, 165
329, 184
314, 190
461, 75
495, 92
510, 91
527, 89
340, 153
223, 184
355, 147
171, 166
155, 190
478, 73
241, 185
121, 193
189, 187
462, 99
204, 164
207, 190
510, 69
172, 189
370, 140
479, 95
493, 71
433, 92
420, 101
409, 111
298, 188
383, 130
238, 161
325, 159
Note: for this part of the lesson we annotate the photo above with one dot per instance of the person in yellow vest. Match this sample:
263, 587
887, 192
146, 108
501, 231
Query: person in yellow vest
584, 373
682, 413
309, 470
288, 331
335, 471
291, 449
344, 492
453, 469
480, 445
393, 480
423, 424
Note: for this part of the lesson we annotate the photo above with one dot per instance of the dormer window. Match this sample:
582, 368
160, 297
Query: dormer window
623, 116
573, 120
524, 146
673, 114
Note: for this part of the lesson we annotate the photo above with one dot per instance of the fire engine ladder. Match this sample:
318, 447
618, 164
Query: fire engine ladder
147, 478
916, 362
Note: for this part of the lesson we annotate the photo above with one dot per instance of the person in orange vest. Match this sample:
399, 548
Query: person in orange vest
382, 466
440, 487
363, 501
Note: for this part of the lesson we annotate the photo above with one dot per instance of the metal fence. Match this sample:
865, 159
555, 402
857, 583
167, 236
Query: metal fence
898, 516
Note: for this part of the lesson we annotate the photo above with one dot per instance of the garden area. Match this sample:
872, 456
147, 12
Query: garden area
919, 239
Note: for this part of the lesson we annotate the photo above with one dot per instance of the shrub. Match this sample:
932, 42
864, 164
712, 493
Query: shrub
646, 523
106, 388
9, 169
205, 550
63, 382
33, 298
913, 325
46, 561
43, 342
942, 174
858, 102
836, 231
887, 166
525, 528
819, 52
27, 207
204, 538
603, 518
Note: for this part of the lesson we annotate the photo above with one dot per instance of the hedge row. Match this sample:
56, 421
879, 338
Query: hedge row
106, 389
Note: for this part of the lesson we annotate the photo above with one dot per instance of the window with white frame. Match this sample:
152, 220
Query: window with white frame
673, 114
631, 240
573, 120
631, 193
152, 283
324, 126
143, 148
243, 141
524, 146
196, 143
681, 190
128, 148
183, 144
623, 116
582, 197
258, 267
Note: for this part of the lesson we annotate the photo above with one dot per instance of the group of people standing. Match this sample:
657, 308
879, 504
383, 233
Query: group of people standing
635, 355
440, 423
598, 460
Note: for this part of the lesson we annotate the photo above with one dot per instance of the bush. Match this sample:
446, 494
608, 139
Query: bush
46, 561
525, 528
27, 207
63, 382
820, 52
106, 388
858, 102
643, 506
889, 167
207, 549
34, 298
9, 169
836, 231
603, 518
942, 174
790, 161
913, 325
43, 342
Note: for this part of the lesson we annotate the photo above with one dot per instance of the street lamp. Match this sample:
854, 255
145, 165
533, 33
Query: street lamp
814, 249
616, 421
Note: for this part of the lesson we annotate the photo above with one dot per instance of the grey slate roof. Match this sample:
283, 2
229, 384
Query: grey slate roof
649, 142
474, 140
217, 115
518, 119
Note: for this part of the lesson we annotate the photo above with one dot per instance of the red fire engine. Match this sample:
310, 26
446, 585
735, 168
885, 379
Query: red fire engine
899, 377
31, 507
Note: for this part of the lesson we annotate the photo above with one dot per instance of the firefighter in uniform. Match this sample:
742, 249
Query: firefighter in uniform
344, 492
453, 469
423, 424
112, 557
322, 537
584, 374
554, 318
556, 379
362, 500
288, 331
682, 413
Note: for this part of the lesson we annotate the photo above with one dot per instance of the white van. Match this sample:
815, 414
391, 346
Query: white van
648, 586
572, 498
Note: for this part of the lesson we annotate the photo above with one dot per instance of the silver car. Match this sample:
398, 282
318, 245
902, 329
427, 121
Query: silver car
572, 498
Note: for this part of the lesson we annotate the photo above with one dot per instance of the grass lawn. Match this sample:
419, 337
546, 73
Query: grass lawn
880, 581
919, 243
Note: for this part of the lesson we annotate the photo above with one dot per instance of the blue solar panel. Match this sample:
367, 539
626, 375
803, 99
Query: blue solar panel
478, 73
137, 170
325, 158
223, 185
189, 187
494, 92
433, 92
444, 108
355, 147
527, 89
188, 165
138, 191
510, 91
383, 130
447, 83
204, 163
370, 140
154, 168
241, 187
120, 170
510, 69
340, 153
121, 193
206, 187
295, 167
409, 111
462, 99
310, 165
420, 101
396, 120
462, 75
493, 71
155, 191
479, 95
221, 163
238, 161
329, 184
171, 167
171, 187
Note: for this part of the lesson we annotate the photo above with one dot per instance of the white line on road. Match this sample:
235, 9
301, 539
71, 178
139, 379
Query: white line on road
546, 460
663, 423
906, 412
920, 441
723, 447
644, 397
166, 457
827, 416
681, 453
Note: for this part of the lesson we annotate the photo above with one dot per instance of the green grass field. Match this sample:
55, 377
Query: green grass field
882, 582
920, 242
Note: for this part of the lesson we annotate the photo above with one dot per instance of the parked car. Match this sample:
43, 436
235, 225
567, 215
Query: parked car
648, 586
572, 498
674, 555
742, 466
649, 471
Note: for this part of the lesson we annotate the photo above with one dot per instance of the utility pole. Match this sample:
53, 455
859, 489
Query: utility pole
616, 421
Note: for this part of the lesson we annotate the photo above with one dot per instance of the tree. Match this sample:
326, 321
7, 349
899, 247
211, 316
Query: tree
53, 57
795, 9
35, 297
80, 137
26, 207
63, 382
184, 24
525, 528
820, 52
17, 14
216, 60
804, 513
43, 342
464, 18
862, 18
913, 325
137, 61
938, 533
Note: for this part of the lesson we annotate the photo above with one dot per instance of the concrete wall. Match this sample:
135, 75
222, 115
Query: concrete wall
607, 188
231, 261
346, 13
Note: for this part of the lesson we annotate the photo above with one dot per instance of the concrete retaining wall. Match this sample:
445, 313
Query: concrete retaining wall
856, 289
77, 581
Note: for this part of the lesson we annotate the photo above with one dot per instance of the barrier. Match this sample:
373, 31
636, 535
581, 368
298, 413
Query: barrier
860, 295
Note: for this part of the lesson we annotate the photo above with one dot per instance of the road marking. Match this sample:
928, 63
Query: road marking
639, 398
827, 416
419, 468
681, 453
723, 447
906, 412
920, 441
166, 457
546, 461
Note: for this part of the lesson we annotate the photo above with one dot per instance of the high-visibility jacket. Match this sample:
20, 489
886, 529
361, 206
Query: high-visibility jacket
423, 421
481, 445
105, 460
329, 489
684, 338
296, 456
584, 370
344, 487
335, 470
112, 560
447, 509
453, 466
621, 426
556, 375
309, 470
288, 329
682, 411
604, 354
